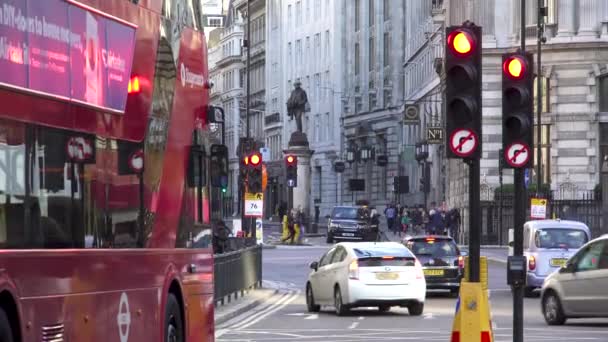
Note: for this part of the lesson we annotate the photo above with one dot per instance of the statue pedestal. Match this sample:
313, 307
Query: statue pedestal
298, 146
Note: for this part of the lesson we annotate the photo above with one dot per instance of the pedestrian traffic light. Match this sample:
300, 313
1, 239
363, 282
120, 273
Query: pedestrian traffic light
291, 170
254, 174
463, 91
219, 166
517, 109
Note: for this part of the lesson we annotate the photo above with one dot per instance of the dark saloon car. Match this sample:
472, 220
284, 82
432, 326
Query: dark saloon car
351, 223
441, 259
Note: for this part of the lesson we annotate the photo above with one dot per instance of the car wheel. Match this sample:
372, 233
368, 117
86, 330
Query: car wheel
6, 333
384, 308
416, 309
341, 308
329, 239
174, 325
310, 300
552, 309
454, 292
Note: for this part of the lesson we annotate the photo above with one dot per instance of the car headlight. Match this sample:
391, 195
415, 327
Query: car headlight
334, 226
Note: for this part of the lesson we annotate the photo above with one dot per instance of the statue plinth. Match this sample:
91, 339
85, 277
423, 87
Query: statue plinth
299, 147
298, 139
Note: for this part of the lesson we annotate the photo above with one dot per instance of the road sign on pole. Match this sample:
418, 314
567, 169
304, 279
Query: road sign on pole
463, 142
538, 208
254, 204
527, 178
517, 155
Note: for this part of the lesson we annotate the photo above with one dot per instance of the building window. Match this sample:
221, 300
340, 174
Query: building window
299, 13
545, 153
603, 143
372, 54
289, 14
357, 59
603, 93
386, 8
357, 15
386, 49
372, 12
328, 125
319, 183
545, 94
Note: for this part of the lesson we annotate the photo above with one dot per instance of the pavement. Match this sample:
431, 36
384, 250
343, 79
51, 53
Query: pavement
283, 316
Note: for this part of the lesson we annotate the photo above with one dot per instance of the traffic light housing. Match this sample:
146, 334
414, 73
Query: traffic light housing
517, 109
291, 170
254, 174
463, 91
219, 166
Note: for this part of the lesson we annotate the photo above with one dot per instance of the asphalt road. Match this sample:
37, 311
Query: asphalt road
284, 318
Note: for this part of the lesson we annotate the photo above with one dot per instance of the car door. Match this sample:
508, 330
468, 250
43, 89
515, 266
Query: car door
582, 287
602, 281
322, 294
335, 274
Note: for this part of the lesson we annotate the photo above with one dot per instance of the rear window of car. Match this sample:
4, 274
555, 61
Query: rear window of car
374, 257
437, 248
560, 238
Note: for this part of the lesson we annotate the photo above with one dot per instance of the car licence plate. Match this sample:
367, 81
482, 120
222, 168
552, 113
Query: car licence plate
348, 234
387, 276
558, 262
433, 272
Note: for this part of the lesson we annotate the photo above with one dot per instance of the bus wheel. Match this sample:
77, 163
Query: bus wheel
6, 333
174, 325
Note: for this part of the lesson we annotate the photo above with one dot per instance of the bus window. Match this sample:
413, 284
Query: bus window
49, 188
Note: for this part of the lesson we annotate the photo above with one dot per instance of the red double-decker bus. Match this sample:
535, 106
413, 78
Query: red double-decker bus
104, 210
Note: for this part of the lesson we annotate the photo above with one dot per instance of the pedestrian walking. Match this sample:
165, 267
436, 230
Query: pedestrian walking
405, 222
391, 215
291, 228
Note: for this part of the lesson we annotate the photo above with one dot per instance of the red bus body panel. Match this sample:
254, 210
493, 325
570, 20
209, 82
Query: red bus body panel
82, 289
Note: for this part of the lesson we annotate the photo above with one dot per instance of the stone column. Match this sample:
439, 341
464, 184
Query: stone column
298, 146
589, 17
566, 12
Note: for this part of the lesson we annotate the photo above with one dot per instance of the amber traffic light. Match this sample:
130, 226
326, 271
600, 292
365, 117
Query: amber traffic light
517, 109
291, 170
463, 91
461, 42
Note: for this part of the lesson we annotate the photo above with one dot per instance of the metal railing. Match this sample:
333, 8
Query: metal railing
235, 272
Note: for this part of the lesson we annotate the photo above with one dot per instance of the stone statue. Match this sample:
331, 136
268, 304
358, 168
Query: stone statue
296, 105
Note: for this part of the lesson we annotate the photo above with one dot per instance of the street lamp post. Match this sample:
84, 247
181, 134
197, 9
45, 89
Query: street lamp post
422, 154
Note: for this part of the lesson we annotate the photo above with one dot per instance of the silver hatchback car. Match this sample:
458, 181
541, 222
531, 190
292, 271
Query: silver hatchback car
580, 288
548, 244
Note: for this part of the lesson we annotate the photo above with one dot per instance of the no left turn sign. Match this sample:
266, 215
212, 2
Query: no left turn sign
517, 155
463, 142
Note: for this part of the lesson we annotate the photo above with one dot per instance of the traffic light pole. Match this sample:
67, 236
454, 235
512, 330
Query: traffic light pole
474, 221
518, 249
519, 219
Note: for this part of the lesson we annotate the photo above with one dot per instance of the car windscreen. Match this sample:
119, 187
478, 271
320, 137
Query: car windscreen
390, 256
347, 214
560, 238
435, 248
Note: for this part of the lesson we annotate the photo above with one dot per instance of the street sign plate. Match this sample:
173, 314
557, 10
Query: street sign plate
517, 155
434, 135
526, 178
463, 142
538, 208
411, 115
254, 204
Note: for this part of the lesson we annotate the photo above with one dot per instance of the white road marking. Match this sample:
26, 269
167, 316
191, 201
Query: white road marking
277, 307
305, 315
428, 316
354, 325
361, 318
257, 312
